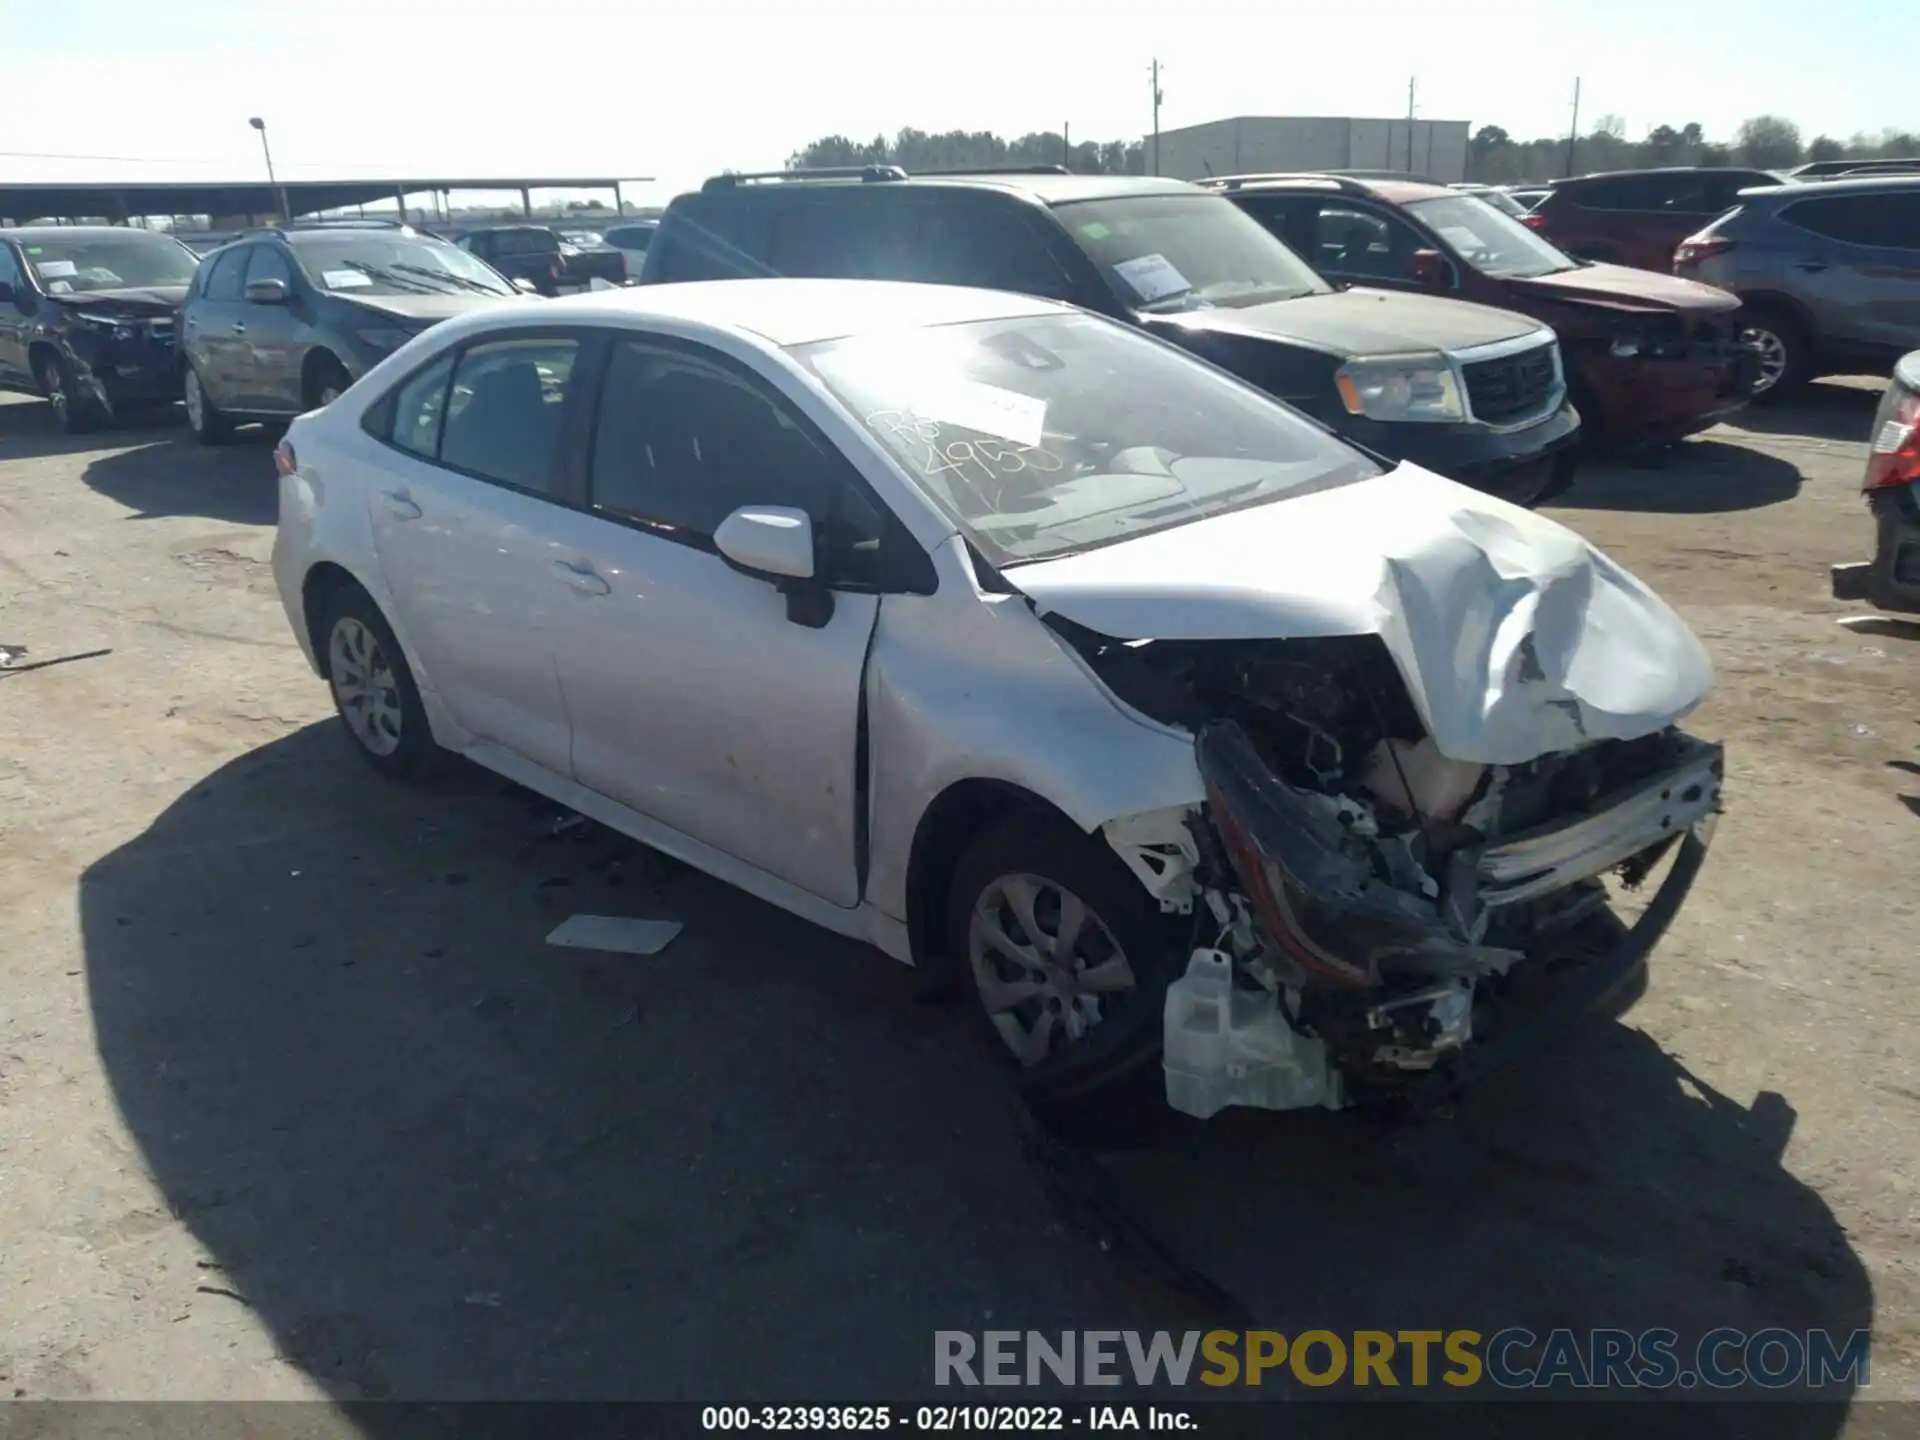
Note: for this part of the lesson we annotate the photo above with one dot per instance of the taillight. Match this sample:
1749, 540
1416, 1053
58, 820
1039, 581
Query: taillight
1534, 222
1895, 456
283, 458
1696, 248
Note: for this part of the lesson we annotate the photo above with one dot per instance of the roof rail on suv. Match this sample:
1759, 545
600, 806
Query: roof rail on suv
298, 225
1346, 184
825, 172
1000, 170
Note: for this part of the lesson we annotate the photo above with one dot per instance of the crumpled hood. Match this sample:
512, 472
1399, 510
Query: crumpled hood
1622, 285
144, 300
426, 308
1516, 638
1359, 322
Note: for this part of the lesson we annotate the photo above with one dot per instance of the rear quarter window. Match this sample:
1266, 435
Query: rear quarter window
700, 240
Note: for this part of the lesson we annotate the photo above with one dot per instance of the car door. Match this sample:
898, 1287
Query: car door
695, 699
214, 326
1859, 270
464, 527
14, 321
267, 370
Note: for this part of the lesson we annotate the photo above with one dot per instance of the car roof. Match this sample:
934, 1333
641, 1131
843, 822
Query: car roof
1660, 170
1050, 187
77, 232
1394, 192
1851, 184
798, 312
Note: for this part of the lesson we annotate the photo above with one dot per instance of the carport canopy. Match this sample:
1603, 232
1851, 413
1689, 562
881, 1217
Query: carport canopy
21, 203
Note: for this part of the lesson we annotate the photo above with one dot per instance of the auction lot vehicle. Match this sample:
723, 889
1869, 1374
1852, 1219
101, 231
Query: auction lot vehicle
1015, 641
87, 319
285, 320
1475, 394
632, 240
1636, 217
1829, 274
1649, 358
1891, 580
544, 258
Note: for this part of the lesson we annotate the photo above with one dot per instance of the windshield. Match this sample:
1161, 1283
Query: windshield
585, 239
1501, 201
370, 263
133, 260
1489, 240
1044, 435
1186, 252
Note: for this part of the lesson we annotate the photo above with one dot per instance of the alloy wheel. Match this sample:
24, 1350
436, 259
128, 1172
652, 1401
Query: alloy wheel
1045, 965
1773, 358
364, 686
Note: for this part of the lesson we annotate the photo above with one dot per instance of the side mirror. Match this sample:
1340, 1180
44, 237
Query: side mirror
266, 292
776, 543
1428, 268
6, 292
525, 286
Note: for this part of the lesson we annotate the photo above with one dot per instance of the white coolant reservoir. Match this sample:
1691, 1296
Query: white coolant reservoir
1226, 1045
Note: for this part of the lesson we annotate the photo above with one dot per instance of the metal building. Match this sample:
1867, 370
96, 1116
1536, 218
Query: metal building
1253, 143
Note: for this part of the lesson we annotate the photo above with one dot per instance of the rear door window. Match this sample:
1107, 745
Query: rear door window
977, 239
223, 282
1880, 221
504, 412
830, 237
268, 263
419, 404
1624, 192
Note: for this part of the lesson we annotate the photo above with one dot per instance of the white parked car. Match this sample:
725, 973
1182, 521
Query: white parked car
1028, 648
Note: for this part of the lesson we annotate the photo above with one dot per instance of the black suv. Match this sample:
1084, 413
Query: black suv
87, 319
283, 320
1474, 393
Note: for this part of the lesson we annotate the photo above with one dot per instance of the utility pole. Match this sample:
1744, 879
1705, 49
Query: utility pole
1156, 117
1066, 144
1573, 135
1410, 83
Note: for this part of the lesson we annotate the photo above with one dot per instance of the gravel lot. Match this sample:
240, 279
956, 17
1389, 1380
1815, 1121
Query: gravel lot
294, 1099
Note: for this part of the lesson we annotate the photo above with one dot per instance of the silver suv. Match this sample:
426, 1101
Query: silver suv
1829, 273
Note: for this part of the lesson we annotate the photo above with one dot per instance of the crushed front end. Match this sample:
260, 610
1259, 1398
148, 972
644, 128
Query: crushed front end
1379, 922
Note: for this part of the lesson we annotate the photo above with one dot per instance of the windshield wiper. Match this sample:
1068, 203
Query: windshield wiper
448, 275
381, 272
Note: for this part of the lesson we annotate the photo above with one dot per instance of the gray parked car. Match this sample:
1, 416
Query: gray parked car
1829, 274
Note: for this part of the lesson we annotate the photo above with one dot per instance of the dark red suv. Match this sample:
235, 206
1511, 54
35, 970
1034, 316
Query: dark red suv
1649, 358
1636, 217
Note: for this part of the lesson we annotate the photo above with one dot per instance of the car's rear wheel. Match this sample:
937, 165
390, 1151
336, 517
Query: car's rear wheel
74, 411
208, 425
1069, 959
373, 689
1786, 353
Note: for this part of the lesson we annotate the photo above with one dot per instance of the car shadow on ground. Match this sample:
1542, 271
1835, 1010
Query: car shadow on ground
153, 467
1822, 411
440, 1159
1697, 477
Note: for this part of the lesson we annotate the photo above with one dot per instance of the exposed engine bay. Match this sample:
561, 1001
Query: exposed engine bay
1366, 908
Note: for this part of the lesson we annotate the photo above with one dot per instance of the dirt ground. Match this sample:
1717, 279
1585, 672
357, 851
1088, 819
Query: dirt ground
295, 1101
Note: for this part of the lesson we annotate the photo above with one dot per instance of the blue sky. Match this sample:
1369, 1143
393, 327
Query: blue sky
614, 87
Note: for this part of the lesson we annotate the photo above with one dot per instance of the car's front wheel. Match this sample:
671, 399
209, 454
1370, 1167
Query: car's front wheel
206, 422
74, 411
373, 689
1069, 960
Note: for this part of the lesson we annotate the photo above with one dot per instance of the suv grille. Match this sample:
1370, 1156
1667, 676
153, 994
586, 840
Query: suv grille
1512, 386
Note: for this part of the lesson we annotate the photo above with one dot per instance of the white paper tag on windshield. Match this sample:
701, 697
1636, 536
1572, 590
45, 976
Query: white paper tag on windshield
1152, 277
57, 269
1461, 238
60, 287
986, 408
345, 279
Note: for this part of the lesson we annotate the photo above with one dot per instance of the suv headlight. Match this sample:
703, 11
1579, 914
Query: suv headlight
114, 325
383, 337
1401, 387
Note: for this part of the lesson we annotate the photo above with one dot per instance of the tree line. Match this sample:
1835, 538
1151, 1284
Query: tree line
1768, 142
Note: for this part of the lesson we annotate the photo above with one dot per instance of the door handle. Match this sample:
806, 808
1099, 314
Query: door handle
585, 581
399, 506
238, 328
1812, 267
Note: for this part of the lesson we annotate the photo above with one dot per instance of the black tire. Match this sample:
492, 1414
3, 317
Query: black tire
327, 382
1778, 325
204, 418
414, 754
74, 411
1114, 1066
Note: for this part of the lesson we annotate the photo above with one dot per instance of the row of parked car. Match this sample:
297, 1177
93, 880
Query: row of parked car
1418, 321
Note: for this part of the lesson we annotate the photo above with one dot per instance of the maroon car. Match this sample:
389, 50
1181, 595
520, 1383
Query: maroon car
1649, 358
1636, 217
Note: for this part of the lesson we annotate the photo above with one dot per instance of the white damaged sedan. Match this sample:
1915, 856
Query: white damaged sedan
1030, 649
